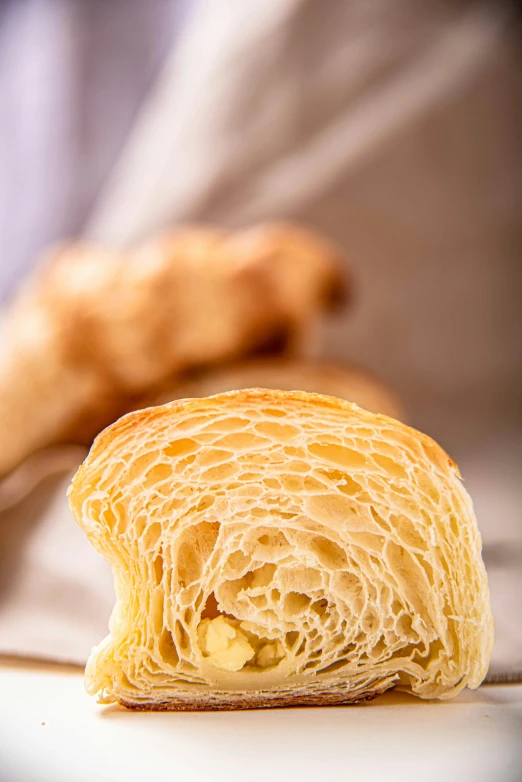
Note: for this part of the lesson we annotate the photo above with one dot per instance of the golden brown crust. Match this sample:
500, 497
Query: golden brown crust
99, 328
342, 380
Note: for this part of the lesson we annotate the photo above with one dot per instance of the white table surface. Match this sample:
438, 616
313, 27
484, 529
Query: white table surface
50, 731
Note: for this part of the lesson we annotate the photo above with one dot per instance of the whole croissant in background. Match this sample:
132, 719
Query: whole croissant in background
281, 548
99, 328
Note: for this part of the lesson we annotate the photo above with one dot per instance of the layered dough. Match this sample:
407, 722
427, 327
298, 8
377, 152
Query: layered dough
276, 548
97, 329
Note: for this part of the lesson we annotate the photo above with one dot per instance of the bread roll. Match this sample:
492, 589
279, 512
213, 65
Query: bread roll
278, 548
98, 328
345, 381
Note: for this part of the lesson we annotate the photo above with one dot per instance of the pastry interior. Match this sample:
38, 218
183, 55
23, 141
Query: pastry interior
281, 548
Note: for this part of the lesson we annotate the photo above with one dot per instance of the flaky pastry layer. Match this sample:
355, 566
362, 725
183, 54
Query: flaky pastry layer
274, 547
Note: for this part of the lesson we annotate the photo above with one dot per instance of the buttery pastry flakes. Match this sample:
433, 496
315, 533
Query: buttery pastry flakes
281, 548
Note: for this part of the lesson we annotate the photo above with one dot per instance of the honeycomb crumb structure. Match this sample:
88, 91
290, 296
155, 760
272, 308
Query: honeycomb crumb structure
272, 547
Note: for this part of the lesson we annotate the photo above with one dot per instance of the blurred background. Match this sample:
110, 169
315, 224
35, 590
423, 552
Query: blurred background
393, 128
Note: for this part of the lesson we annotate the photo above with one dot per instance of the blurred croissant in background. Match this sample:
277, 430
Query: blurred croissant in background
97, 330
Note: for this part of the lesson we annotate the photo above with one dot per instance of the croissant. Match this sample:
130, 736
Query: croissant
282, 372
97, 329
276, 548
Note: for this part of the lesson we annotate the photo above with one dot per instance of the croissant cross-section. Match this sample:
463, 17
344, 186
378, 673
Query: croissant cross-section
281, 548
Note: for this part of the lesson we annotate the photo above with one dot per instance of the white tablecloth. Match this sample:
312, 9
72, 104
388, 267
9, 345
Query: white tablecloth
51, 731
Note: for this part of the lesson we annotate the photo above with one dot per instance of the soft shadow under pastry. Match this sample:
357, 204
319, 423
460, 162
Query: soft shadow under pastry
281, 548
